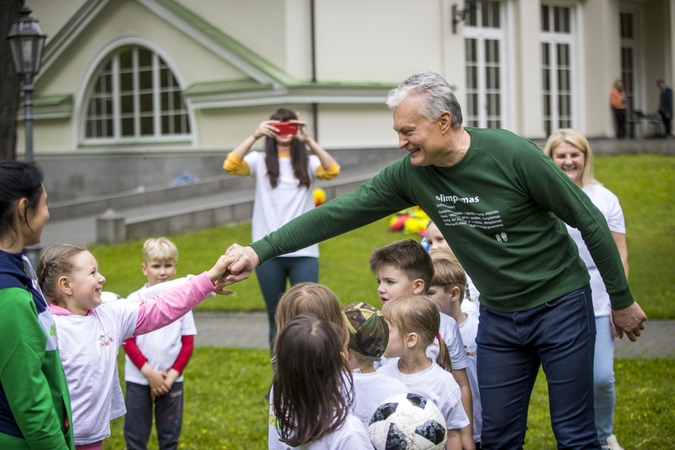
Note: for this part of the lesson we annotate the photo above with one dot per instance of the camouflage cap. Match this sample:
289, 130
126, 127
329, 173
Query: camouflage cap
368, 331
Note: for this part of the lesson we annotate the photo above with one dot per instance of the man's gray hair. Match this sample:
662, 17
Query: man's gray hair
438, 96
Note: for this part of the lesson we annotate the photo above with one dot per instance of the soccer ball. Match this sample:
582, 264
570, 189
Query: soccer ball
407, 422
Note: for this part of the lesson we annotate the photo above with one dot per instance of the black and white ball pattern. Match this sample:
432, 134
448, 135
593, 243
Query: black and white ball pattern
407, 422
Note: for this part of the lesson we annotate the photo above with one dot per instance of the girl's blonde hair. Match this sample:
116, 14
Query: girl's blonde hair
448, 272
310, 298
417, 314
54, 263
577, 140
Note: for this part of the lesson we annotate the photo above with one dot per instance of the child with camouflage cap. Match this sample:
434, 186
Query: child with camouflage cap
368, 338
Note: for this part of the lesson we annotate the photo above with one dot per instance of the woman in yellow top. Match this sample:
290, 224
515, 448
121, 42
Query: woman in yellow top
284, 175
617, 99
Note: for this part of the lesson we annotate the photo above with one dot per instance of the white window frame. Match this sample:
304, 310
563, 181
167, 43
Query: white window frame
481, 34
87, 86
639, 94
573, 39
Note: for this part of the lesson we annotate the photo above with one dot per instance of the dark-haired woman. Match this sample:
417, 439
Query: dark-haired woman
284, 175
34, 401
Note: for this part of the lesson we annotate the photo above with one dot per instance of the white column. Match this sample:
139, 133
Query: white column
527, 61
601, 47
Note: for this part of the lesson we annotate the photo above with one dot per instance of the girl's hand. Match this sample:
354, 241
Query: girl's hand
302, 134
266, 128
220, 270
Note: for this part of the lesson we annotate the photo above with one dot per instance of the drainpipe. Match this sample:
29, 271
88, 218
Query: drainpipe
315, 107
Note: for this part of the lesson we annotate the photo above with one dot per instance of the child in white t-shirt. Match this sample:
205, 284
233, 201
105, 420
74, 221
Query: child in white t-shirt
154, 365
90, 334
311, 396
316, 300
437, 242
405, 268
413, 323
368, 338
447, 291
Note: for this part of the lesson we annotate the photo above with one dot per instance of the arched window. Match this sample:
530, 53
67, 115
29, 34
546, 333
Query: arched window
136, 97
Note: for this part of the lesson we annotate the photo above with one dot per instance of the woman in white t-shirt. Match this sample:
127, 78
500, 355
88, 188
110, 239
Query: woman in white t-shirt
572, 153
284, 174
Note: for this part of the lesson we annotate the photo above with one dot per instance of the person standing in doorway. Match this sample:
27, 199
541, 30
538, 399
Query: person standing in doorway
665, 105
617, 99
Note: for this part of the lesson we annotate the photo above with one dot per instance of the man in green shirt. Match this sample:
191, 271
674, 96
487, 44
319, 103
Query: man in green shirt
499, 202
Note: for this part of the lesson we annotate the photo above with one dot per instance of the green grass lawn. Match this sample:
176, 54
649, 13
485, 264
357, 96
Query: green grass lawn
645, 185
225, 405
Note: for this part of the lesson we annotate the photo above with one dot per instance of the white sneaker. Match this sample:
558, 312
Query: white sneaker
612, 444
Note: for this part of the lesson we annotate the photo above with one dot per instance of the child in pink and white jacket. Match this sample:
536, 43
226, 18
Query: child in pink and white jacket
90, 333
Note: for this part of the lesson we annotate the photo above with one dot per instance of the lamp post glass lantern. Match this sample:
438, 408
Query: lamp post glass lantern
26, 40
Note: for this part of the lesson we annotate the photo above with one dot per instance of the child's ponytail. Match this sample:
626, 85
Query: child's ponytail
443, 359
418, 314
55, 262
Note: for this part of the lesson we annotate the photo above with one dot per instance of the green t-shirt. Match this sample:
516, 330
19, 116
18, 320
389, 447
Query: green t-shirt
499, 209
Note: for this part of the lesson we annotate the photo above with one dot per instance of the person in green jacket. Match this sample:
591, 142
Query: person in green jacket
500, 203
34, 400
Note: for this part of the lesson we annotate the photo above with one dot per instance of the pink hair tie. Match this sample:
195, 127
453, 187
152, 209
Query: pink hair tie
438, 336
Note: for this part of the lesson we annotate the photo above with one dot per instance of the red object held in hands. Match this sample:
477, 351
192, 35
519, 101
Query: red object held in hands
286, 128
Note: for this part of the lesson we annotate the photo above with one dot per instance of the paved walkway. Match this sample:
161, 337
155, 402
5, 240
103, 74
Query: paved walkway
250, 330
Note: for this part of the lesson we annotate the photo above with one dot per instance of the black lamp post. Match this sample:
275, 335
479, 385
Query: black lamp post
27, 39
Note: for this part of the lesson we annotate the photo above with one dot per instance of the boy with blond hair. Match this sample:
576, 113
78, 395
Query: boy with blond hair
447, 291
405, 268
155, 361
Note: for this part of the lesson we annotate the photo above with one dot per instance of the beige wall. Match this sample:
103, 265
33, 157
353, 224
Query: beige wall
378, 40
226, 128
49, 136
340, 126
258, 24
345, 126
53, 14
298, 48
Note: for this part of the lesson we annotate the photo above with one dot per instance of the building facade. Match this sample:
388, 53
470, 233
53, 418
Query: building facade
169, 80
